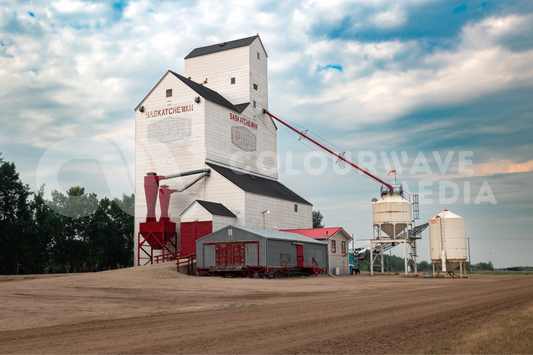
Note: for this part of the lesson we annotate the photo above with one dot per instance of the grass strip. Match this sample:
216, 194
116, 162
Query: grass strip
512, 335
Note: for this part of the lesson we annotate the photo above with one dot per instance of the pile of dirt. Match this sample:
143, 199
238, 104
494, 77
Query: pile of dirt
166, 270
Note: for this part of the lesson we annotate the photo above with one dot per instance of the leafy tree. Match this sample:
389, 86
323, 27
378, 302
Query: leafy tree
15, 219
70, 231
70, 246
364, 265
392, 264
122, 212
483, 266
100, 229
424, 265
111, 231
44, 224
317, 219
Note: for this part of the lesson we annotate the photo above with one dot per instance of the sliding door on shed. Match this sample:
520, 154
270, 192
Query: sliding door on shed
229, 254
300, 254
251, 254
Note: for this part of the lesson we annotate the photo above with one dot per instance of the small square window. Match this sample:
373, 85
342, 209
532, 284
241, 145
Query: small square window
169, 93
258, 55
254, 105
295, 208
233, 80
255, 86
333, 247
230, 232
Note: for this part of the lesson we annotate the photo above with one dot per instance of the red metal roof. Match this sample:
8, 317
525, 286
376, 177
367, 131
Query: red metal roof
317, 232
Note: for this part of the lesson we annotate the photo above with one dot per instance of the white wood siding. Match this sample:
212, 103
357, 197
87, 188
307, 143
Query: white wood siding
281, 216
221, 150
339, 259
218, 68
175, 154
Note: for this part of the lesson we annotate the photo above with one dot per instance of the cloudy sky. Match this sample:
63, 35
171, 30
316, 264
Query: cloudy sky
440, 90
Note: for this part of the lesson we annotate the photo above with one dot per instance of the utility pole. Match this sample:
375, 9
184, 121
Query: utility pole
469, 259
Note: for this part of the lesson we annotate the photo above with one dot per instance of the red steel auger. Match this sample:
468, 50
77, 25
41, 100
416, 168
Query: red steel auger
339, 156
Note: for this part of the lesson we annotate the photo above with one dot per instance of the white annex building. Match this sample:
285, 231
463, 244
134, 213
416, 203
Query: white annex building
212, 118
338, 241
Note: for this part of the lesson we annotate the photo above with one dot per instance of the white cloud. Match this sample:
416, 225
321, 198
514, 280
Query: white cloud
390, 18
70, 6
443, 78
494, 30
100, 68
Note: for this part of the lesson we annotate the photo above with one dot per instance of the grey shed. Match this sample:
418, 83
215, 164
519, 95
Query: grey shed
236, 248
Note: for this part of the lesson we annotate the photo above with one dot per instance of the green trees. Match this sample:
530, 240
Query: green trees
317, 219
91, 234
16, 227
483, 266
111, 231
392, 263
72, 232
44, 221
70, 243
424, 265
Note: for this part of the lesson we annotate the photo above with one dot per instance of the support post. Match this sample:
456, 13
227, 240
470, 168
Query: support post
469, 259
405, 257
414, 251
382, 258
371, 258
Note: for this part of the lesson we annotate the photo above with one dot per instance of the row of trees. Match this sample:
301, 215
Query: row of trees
424, 265
72, 232
480, 266
394, 263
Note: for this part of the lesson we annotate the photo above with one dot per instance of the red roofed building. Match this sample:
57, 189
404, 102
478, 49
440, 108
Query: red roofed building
338, 241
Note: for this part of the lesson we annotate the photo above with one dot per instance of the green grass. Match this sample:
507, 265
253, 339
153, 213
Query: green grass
501, 272
512, 335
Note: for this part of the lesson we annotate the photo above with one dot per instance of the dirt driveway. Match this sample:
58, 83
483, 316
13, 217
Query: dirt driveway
155, 310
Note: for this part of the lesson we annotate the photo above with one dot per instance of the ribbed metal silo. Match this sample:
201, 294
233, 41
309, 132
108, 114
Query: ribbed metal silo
447, 234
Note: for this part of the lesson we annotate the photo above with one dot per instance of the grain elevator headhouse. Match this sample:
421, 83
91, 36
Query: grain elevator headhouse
204, 133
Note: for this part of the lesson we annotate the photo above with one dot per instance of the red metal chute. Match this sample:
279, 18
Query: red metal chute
160, 235
164, 200
151, 184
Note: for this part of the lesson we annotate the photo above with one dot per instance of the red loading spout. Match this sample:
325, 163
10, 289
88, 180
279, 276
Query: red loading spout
164, 201
151, 184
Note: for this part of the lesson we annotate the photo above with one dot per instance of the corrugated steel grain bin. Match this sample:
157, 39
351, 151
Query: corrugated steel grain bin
238, 248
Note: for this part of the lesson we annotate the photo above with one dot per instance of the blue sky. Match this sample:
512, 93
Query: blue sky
373, 77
